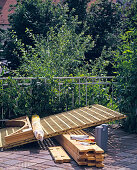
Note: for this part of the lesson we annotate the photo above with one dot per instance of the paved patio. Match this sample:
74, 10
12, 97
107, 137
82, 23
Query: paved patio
121, 155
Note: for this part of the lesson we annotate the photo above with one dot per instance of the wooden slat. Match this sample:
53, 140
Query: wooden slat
83, 116
99, 165
58, 154
0, 140
49, 125
63, 121
110, 111
56, 123
75, 116
72, 122
94, 114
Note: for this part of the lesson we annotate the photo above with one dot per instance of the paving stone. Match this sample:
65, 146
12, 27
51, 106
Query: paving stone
3, 160
50, 163
55, 168
46, 157
13, 168
13, 156
39, 167
24, 168
121, 155
25, 164
128, 160
23, 152
37, 160
11, 162
3, 154
44, 152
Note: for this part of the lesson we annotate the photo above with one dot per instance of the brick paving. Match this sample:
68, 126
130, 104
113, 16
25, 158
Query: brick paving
121, 155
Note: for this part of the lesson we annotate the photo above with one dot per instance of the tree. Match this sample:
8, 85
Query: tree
126, 65
60, 54
36, 15
79, 8
103, 21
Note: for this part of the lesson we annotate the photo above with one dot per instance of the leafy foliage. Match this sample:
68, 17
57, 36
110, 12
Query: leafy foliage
126, 61
38, 16
46, 97
103, 21
78, 8
60, 54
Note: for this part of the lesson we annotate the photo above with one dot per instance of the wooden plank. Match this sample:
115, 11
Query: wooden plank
69, 149
72, 143
57, 124
88, 155
19, 137
0, 140
83, 116
59, 155
63, 121
76, 146
94, 114
99, 165
99, 156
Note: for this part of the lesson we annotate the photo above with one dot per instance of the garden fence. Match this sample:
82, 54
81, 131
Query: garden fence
78, 91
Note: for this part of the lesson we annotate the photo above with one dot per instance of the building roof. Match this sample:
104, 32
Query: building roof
4, 11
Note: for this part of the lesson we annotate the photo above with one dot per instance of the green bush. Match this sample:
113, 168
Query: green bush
45, 98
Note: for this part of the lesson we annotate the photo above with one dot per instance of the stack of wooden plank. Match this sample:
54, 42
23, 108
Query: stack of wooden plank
91, 155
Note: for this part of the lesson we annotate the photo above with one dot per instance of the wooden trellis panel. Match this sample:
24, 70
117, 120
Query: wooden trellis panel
57, 124
78, 119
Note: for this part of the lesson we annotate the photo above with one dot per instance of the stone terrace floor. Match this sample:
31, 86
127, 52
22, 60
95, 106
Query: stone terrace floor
121, 155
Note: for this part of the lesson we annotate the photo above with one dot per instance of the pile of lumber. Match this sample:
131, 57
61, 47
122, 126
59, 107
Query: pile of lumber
90, 155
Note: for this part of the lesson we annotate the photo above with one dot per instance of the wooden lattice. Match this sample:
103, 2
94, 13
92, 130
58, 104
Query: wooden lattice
78, 119
57, 124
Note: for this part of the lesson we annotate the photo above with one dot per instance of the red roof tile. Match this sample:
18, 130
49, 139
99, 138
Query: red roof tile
4, 11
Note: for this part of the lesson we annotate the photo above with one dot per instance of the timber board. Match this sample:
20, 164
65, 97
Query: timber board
59, 155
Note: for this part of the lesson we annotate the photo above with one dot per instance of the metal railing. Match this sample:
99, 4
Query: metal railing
82, 83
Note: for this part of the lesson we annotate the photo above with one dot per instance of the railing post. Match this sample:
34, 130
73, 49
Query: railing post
59, 90
112, 93
72, 99
2, 116
86, 91
79, 91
